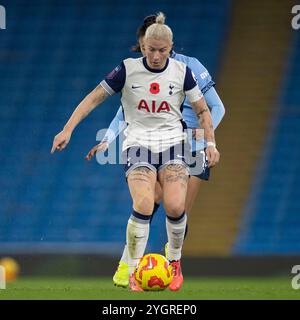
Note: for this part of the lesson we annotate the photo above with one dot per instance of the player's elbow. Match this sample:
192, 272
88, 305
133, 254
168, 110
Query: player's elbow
218, 109
222, 109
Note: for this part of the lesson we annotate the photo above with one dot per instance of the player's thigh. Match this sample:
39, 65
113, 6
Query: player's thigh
174, 180
192, 191
141, 182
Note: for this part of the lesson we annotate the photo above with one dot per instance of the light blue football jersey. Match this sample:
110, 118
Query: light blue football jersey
204, 80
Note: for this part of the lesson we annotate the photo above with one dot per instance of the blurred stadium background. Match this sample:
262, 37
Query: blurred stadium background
60, 215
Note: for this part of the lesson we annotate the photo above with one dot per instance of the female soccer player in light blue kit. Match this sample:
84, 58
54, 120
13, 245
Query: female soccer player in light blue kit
198, 144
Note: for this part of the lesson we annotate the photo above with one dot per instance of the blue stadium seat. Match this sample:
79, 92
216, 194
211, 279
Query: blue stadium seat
52, 54
271, 221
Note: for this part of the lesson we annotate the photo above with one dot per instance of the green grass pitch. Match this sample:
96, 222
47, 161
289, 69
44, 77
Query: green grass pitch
193, 289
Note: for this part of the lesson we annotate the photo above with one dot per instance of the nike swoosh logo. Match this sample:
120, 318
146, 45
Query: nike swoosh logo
135, 87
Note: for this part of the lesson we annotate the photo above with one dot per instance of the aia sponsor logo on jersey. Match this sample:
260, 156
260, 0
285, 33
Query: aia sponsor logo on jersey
154, 106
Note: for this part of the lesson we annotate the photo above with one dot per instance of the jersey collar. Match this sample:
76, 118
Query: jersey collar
155, 70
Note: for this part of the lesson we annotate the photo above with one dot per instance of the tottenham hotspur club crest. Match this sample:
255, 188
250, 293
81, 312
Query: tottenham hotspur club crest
171, 87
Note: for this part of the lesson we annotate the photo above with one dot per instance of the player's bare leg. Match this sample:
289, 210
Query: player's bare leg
192, 191
121, 276
141, 183
174, 181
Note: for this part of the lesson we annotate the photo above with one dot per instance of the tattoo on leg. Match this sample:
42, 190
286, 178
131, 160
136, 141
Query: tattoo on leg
140, 174
177, 177
142, 169
178, 173
175, 167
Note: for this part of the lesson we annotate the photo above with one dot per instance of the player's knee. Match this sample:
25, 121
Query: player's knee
144, 205
174, 208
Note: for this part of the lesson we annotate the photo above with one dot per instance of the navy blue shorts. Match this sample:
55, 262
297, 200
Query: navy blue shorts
138, 156
198, 164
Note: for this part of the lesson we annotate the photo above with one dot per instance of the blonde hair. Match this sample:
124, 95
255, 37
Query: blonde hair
159, 30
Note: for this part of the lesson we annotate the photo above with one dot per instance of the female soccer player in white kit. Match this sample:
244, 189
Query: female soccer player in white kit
154, 131
199, 172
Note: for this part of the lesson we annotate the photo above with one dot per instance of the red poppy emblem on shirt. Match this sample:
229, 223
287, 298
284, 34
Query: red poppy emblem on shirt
154, 88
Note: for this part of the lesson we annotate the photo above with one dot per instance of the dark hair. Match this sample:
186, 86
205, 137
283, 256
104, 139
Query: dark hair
141, 31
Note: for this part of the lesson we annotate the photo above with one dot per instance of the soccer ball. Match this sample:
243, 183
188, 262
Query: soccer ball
153, 272
11, 267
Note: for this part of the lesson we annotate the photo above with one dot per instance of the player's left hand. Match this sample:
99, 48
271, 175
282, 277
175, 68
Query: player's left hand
213, 156
102, 146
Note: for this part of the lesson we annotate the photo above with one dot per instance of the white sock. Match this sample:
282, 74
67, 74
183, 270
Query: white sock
124, 257
175, 231
137, 234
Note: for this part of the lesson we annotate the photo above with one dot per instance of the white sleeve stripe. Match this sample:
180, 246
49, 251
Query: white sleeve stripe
107, 88
194, 94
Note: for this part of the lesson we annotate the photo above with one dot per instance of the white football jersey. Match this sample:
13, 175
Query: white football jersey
152, 101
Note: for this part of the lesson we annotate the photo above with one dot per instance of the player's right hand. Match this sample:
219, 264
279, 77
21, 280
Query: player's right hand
102, 146
61, 140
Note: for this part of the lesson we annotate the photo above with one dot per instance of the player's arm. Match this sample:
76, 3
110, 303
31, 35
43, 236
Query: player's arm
201, 109
89, 103
206, 85
117, 125
216, 106
204, 118
205, 121
113, 82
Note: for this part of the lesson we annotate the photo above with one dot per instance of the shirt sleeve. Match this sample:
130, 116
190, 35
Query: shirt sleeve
117, 125
115, 80
190, 87
189, 80
202, 75
216, 106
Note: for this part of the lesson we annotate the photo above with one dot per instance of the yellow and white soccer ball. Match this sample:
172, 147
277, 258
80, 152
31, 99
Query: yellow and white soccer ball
153, 272
11, 267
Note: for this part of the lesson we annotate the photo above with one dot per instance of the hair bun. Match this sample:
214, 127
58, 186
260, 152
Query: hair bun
160, 18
